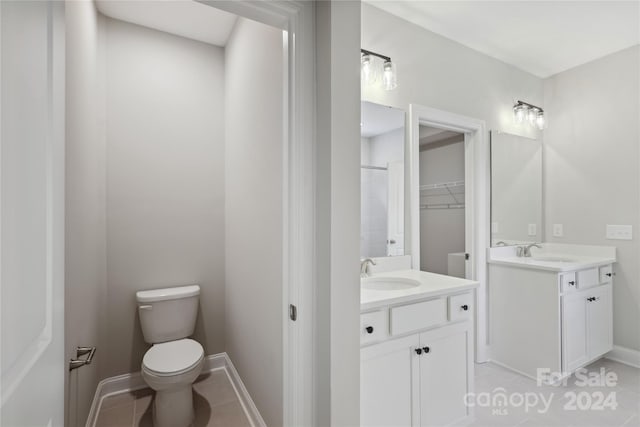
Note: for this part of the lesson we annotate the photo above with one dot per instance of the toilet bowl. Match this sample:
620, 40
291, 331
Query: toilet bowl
173, 363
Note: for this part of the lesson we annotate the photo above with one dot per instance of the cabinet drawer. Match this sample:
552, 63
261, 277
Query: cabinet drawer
606, 274
374, 326
460, 307
568, 282
588, 278
412, 317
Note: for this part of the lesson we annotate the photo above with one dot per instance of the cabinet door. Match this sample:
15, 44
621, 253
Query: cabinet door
574, 330
387, 384
445, 374
599, 321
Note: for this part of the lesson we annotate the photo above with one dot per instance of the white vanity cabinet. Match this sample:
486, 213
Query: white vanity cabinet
418, 368
552, 320
586, 326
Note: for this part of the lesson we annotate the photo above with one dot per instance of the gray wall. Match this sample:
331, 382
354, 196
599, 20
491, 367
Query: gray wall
85, 252
437, 72
253, 212
337, 355
591, 176
165, 181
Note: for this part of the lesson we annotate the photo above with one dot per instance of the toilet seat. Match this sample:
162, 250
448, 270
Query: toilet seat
173, 357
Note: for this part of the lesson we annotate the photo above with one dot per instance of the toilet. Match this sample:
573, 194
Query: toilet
172, 364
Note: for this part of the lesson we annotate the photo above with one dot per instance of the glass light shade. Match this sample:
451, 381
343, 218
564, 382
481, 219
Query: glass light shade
540, 120
368, 72
519, 112
389, 77
532, 115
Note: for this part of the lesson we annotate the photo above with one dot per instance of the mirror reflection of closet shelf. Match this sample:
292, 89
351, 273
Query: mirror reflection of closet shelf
442, 195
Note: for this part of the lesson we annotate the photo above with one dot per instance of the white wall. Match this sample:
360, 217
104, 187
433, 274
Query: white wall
85, 251
437, 72
165, 181
441, 230
337, 286
591, 172
254, 214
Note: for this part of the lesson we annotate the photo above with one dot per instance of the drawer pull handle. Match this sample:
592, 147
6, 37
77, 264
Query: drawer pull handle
465, 307
426, 349
369, 329
419, 350
572, 283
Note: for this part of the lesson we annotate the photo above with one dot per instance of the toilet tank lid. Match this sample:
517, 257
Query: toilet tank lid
154, 295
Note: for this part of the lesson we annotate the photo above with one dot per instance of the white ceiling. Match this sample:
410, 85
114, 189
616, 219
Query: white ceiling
378, 119
541, 37
185, 18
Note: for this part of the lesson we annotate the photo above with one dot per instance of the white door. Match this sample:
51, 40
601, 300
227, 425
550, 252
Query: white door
599, 321
444, 375
32, 213
395, 208
388, 383
574, 330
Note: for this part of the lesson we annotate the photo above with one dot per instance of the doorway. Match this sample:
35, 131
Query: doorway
476, 201
442, 208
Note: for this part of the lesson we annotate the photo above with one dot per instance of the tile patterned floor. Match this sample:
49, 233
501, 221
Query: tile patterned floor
217, 405
215, 401
489, 377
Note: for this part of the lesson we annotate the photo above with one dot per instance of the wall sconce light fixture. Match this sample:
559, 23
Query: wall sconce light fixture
370, 71
533, 114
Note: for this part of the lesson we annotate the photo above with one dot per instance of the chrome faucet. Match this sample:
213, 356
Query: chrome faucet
363, 266
527, 249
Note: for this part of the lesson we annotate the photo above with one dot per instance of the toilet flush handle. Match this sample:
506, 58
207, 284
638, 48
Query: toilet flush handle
145, 307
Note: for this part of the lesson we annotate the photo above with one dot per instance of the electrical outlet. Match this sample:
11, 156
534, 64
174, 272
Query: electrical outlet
532, 230
619, 232
494, 227
557, 230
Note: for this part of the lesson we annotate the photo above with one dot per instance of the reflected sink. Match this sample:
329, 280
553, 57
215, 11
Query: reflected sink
553, 258
388, 283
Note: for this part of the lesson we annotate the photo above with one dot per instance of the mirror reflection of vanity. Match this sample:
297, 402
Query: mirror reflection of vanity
382, 140
516, 189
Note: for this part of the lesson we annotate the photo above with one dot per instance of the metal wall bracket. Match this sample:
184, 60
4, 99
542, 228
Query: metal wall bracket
81, 351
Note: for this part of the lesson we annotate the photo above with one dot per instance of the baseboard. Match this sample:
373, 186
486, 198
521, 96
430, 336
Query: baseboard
625, 355
134, 381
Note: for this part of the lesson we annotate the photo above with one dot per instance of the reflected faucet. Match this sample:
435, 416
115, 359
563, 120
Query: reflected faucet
363, 266
527, 249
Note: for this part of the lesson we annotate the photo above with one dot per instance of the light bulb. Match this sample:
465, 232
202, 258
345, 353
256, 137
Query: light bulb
540, 121
368, 74
389, 78
519, 111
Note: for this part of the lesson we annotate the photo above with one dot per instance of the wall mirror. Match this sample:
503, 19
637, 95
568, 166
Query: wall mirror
516, 189
382, 140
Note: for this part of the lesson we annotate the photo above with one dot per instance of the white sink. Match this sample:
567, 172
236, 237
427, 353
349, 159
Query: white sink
553, 258
388, 283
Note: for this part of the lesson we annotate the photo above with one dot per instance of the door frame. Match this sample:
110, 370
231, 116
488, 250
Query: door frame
297, 19
476, 202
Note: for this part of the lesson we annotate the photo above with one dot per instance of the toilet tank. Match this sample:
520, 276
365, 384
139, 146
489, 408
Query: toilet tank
168, 314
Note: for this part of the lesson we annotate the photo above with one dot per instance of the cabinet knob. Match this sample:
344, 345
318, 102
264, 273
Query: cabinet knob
426, 349
609, 274
572, 283
464, 307
419, 350
369, 329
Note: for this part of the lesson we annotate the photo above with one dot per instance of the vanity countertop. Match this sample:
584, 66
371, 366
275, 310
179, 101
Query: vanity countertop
430, 285
555, 257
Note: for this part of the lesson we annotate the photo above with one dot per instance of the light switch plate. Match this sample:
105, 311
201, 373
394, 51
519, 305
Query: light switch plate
557, 230
619, 232
532, 231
